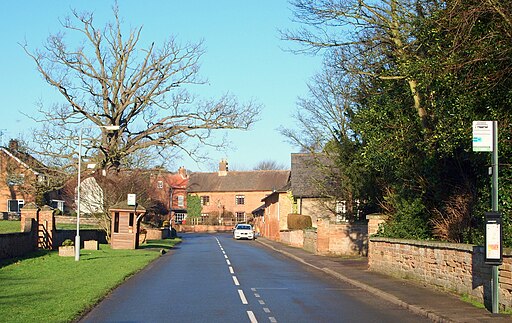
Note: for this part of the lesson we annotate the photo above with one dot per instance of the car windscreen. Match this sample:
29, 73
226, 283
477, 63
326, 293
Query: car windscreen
244, 227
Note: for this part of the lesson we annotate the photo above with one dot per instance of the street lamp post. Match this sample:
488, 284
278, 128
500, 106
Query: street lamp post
77, 237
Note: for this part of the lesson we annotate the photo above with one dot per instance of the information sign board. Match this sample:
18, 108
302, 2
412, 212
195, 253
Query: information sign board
483, 134
132, 199
493, 239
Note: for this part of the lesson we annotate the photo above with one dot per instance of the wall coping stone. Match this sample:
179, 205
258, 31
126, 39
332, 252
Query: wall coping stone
376, 216
438, 244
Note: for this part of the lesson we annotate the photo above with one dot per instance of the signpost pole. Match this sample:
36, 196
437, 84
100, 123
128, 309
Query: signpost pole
494, 162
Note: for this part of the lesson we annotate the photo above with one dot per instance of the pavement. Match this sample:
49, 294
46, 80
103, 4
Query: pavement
436, 305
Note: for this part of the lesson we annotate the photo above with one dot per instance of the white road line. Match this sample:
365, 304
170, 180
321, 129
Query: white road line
266, 310
226, 256
253, 289
252, 317
228, 262
231, 271
256, 295
235, 280
242, 297
272, 319
261, 302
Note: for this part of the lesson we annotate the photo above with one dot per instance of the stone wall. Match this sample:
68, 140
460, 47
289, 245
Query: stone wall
310, 240
202, 228
72, 220
294, 238
454, 267
342, 239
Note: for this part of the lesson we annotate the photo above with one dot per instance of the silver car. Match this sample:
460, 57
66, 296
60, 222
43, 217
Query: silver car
243, 231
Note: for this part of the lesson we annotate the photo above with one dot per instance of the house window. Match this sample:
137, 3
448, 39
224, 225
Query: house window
179, 218
239, 199
15, 205
341, 211
57, 204
240, 217
160, 184
181, 201
116, 222
205, 200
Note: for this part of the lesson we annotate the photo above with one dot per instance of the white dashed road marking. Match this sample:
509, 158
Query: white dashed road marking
242, 297
235, 280
252, 318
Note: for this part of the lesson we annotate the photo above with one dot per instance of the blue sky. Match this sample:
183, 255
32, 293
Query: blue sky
244, 56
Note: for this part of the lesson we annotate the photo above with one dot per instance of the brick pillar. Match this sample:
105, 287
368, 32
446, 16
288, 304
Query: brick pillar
46, 239
375, 220
28, 213
323, 236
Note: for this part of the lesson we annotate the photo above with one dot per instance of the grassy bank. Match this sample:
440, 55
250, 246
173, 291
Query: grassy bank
47, 288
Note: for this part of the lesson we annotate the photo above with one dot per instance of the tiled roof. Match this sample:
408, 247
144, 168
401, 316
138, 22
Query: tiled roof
261, 180
307, 175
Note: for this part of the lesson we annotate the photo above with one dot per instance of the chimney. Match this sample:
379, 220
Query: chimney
223, 167
13, 145
182, 171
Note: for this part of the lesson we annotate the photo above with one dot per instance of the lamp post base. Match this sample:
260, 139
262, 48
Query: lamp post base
77, 247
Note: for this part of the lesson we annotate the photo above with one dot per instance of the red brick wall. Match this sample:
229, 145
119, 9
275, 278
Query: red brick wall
454, 267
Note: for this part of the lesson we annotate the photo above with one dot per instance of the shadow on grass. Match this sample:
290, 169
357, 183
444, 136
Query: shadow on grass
31, 255
156, 246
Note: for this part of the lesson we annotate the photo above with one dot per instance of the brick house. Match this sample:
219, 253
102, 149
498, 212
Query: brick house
20, 176
272, 217
229, 197
170, 189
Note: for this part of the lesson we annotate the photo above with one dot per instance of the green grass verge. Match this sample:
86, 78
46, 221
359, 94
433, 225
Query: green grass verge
10, 226
47, 288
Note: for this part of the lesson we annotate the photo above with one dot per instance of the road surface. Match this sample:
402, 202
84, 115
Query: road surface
213, 278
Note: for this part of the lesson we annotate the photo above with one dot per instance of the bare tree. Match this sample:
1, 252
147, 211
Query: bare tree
269, 165
107, 80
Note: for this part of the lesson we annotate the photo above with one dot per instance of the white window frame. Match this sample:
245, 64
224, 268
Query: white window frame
179, 217
240, 199
205, 200
181, 200
240, 217
21, 203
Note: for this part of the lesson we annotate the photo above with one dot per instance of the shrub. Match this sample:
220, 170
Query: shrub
299, 222
67, 243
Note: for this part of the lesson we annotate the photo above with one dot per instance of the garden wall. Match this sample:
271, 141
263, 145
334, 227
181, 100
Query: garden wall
294, 238
202, 228
85, 234
72, 220
19, 243
341, 239
455, 267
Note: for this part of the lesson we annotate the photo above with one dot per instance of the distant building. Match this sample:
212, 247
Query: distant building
232, 196
20, 176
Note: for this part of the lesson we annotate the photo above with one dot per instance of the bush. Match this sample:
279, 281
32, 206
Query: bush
409, 221
299, 222
67, 243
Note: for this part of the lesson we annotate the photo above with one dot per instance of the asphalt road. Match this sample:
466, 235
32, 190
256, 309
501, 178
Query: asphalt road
213, 278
